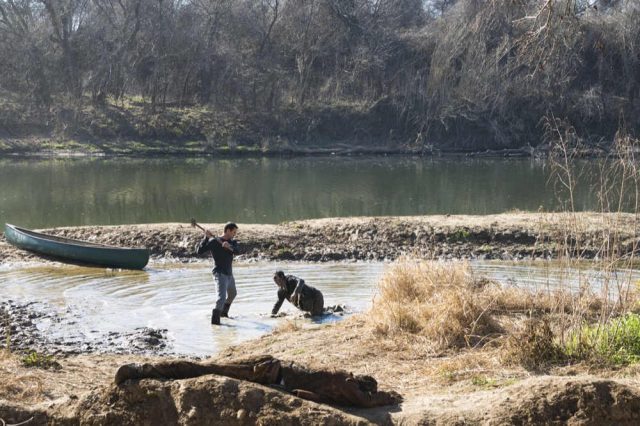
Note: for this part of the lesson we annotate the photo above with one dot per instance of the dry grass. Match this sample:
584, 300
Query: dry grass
441, 306
287, 327
16, 384
534, 346
448, 305
434, 300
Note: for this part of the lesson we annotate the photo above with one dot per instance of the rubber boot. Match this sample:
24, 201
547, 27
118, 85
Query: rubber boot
215, 317
225, 310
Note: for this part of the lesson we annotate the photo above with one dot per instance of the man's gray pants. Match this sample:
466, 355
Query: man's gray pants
226, 288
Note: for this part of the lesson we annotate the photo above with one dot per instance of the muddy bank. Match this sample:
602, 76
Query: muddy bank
509, 236
59, 332
82, 391
47, 330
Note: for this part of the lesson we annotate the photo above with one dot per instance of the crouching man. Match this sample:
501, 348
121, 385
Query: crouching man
301, 295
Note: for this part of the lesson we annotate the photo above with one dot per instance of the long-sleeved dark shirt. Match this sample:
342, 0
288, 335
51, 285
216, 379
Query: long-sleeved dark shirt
222, 257
286, 292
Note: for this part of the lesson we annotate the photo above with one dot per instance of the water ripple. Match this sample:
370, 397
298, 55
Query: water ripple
180, 297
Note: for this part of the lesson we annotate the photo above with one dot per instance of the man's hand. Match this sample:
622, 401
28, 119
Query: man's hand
226, 245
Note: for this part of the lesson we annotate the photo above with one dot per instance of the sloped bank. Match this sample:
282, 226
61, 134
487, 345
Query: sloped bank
82, 392
507, 236
221, 401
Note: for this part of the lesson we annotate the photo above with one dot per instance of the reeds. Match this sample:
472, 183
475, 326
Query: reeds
431, 299
616, 186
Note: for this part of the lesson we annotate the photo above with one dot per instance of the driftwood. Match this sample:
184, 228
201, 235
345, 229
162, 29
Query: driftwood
333, 387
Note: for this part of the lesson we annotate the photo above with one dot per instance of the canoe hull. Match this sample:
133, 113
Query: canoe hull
76, 251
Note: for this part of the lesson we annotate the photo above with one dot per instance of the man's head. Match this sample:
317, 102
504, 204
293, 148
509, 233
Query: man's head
230, 230
279, 278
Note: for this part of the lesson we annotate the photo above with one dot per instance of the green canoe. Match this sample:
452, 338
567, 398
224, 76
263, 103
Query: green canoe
77, 251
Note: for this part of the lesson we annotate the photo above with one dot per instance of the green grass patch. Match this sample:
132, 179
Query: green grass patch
616, 342
483, 381
283, 253
447, 374
37, 360
460, 234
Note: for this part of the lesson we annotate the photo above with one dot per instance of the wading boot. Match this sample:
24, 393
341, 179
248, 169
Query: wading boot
225, 310
215, 317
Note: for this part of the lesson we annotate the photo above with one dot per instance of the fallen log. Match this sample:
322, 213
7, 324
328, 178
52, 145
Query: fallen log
333, 387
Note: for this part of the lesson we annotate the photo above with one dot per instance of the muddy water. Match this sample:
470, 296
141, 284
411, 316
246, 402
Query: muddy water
178, 298
95, 303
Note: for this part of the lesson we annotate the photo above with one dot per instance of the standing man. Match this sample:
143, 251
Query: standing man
222, 248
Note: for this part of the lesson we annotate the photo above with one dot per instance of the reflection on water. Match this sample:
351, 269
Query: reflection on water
71, 192
180, 297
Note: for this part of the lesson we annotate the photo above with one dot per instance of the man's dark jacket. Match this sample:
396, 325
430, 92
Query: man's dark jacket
222, 257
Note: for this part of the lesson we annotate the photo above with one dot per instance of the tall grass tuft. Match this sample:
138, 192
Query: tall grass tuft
440, 301
535, 347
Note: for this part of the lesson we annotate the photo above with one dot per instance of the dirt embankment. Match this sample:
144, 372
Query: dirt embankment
132, 128
485, 393
506, 236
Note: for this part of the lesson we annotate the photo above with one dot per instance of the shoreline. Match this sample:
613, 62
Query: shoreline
506, 236
340, 150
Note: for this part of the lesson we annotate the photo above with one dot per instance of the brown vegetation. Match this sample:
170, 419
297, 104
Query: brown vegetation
441, 302
462, 74
445, 306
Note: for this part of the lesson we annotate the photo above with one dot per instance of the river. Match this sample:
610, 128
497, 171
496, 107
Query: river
109, 191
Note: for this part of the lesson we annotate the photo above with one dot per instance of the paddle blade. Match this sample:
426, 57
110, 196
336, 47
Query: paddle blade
193, 223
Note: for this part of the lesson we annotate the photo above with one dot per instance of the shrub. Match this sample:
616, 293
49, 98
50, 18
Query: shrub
35, 359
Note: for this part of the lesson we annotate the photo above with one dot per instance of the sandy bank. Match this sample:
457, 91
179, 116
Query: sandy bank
482, 392
506, 236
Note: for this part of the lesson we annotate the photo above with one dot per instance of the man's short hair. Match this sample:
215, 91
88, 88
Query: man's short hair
230, 226
279, 273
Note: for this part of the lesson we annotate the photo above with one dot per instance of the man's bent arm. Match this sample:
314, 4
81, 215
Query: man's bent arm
278, 304
298, 290
206, 244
